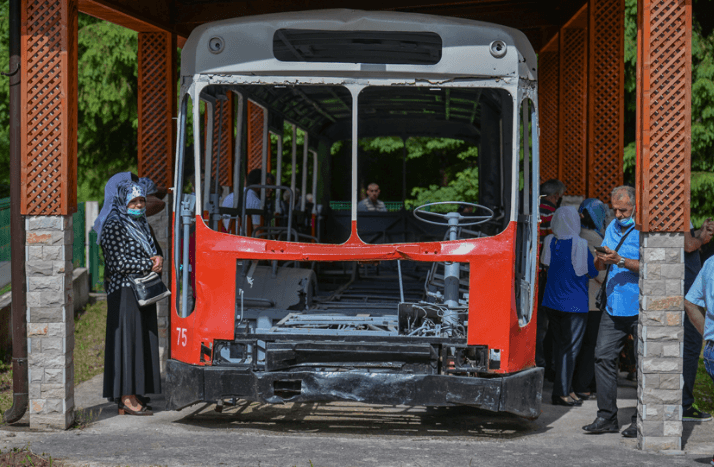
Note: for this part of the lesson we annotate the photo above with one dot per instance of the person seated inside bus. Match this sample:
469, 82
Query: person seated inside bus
371, 202
252, 200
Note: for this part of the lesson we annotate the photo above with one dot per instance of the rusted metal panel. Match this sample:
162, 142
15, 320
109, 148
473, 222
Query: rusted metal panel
256, 121
223, 155
548, 99
157, 105
664, 115
572, 143
606, 97
49, 107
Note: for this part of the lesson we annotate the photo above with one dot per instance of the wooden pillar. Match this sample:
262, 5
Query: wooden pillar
223, 126
256, 123
548, 100
664, 81
662, 184
49, 107
48, 197
606, 97
157, 106
572, 142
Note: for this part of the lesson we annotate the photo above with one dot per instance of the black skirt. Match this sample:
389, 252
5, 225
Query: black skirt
131, 355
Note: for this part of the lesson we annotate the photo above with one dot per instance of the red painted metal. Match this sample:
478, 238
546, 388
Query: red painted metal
492, 310
664, 115
606, 97
157, 106
48, 89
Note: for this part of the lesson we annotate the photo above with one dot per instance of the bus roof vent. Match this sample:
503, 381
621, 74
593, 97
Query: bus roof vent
382, 47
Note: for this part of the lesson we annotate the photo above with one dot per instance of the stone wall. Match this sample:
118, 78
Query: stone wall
50, 321
660, 334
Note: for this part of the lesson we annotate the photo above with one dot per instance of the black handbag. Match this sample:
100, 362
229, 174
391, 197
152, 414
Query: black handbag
148, 289
601, 297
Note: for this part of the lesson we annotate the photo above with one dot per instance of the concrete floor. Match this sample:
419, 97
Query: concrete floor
347, 434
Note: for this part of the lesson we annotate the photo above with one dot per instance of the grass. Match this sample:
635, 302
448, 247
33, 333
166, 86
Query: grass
704, 389
89, 337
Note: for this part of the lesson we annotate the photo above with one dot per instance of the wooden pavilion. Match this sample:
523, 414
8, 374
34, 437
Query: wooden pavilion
580, 46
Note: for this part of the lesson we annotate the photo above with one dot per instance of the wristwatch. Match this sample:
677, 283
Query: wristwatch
621, 263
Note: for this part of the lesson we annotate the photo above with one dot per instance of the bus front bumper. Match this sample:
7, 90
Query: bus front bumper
518, 393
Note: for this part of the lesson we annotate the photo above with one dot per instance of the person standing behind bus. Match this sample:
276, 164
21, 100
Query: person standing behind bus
372, 202
565, 300
551, 194
621, 309
593, 213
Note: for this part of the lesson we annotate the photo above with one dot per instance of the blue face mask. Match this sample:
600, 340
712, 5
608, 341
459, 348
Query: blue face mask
627, 221
136, 213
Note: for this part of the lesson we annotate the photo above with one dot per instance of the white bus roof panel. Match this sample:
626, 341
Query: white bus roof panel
247, 46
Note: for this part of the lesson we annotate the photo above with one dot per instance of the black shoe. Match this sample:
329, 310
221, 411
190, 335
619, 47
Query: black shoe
630, 431
144, 401
692, 414
600, 425
557, 400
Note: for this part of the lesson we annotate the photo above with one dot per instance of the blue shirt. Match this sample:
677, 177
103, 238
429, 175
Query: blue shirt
623, 285
702, 293
565, 291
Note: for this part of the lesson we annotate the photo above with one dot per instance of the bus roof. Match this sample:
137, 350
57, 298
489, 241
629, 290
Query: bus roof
466, 48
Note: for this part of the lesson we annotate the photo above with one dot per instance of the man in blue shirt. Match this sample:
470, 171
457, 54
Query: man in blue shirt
622, 308
699, 305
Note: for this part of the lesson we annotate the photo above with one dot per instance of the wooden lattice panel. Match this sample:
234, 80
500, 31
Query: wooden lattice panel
573, 105
664, 115
548, 94
49, 107
256, 122
606, 97
223, 116
157, 105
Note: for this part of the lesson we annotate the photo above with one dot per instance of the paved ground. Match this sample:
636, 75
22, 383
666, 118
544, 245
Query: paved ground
346, 434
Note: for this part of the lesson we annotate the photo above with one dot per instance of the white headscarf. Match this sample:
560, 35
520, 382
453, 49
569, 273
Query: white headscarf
110, 191
566, 226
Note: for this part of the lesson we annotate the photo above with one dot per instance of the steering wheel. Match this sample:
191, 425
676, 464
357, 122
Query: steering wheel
470, 220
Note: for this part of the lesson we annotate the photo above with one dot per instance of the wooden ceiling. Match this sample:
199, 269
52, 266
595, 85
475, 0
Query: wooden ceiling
538, 19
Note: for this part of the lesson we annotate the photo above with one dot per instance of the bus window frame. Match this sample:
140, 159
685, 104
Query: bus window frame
512, 86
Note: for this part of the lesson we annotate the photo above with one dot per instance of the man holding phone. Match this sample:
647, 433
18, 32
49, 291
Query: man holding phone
620, 254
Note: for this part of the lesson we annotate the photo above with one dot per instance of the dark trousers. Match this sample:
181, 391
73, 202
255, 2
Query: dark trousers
610, 341
692, 348
544, 340
584, 376
568, 330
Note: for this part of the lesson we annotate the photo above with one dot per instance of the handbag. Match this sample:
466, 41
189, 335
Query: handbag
148, 289
601, 297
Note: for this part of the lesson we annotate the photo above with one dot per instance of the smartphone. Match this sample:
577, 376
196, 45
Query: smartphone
600, 249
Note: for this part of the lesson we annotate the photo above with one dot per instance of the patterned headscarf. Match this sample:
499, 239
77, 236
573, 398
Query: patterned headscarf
597, 211
137, 228
149, 186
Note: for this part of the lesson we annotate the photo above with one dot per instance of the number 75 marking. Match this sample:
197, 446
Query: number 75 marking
182, 338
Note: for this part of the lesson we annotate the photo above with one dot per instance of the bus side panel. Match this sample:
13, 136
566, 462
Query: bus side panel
493, 320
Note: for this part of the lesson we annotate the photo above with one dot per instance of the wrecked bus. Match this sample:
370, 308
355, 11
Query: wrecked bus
308, 298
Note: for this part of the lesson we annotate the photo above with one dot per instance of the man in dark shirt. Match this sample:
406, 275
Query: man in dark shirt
551, 194
693, 241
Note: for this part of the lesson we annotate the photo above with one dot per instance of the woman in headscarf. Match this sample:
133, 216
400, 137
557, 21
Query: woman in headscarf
570, 265
593, 214
131, 360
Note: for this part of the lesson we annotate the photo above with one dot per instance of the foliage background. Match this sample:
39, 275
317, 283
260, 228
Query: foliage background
107, 133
